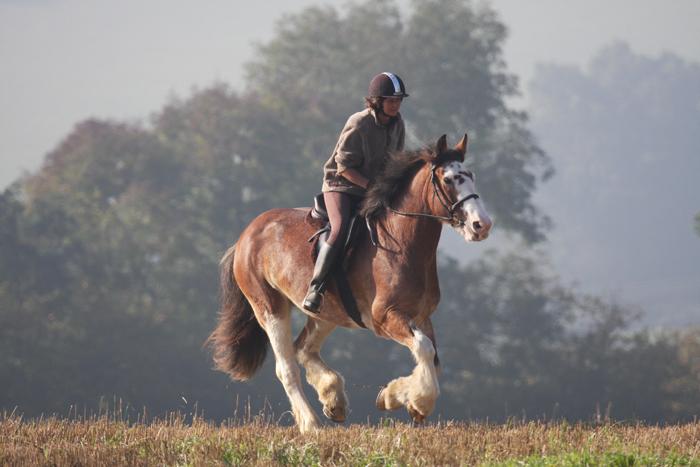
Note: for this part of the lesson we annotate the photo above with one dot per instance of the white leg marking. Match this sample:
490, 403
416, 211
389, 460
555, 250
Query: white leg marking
279, 332
425, 374
418, 391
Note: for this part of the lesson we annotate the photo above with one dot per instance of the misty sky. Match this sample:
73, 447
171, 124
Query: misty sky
67, 60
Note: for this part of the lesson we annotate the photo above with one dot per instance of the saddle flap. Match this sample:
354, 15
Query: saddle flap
338, 273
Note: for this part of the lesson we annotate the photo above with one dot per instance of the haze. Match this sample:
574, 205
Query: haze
67, 60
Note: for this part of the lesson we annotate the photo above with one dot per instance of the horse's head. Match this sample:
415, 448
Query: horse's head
455, 191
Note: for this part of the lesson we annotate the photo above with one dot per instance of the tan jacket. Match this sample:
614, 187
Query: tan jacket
364, 145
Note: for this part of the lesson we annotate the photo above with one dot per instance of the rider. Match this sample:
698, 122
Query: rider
360, 153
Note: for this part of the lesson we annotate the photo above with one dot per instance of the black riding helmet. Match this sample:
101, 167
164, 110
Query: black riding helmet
387, 85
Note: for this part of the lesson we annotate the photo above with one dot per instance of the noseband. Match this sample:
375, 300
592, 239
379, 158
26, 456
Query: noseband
444, 200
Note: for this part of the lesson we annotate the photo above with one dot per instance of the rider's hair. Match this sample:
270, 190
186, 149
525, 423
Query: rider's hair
374, 102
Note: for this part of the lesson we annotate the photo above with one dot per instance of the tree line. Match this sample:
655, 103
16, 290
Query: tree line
109, 252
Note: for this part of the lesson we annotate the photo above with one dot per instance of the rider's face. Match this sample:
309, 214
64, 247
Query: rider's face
391, 105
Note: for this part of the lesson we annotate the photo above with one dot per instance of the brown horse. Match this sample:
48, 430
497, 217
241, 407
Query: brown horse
395, 284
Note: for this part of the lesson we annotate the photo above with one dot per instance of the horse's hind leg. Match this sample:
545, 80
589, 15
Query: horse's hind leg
278, 326
418, 391
329, 384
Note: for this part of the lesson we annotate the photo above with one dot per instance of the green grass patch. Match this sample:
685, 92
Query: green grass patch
608, 459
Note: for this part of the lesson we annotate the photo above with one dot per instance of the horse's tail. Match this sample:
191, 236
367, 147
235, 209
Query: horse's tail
239, 342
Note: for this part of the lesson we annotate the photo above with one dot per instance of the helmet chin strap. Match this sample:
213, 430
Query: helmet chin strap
380, 111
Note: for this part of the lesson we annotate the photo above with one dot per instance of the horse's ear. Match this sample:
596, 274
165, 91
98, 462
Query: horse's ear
462, 146
441, 145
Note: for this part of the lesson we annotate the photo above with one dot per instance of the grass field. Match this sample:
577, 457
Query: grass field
107, 441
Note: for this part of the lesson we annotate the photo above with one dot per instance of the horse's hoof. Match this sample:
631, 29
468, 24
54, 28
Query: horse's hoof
417, 417
335, 414
380, 402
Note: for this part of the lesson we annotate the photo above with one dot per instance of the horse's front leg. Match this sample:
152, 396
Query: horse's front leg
329, 384
418, 391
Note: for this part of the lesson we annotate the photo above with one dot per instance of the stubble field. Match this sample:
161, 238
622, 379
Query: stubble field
109, 441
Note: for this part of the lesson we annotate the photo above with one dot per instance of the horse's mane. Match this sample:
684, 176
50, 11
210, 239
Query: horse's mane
398, 171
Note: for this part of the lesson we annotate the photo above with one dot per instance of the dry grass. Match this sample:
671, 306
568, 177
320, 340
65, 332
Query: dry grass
107, 441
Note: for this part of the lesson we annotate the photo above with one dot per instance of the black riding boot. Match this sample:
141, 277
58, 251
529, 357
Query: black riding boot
324, 264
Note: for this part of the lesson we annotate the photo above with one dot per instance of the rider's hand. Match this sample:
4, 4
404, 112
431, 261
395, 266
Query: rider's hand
356, 177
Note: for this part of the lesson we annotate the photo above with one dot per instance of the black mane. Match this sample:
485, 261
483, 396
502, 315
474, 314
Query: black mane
399, 170
390, 182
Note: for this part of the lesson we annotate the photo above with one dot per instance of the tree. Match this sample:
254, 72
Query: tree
313, 72
108, 260
621, 132
108, 275
527, 346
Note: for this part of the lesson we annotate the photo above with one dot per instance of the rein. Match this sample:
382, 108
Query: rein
444, 200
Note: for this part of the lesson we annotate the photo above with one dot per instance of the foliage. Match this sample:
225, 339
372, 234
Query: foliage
621, 133
108, 258
513, 342
450, 57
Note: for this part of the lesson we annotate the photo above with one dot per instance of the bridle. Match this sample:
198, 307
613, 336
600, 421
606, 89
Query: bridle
444, 200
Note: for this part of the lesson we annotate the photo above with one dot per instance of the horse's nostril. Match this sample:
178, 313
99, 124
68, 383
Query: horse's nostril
476, 225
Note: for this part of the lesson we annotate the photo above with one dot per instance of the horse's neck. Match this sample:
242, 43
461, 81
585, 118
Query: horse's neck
414, 239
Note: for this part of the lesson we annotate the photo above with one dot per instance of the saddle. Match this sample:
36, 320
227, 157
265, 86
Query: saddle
338, 273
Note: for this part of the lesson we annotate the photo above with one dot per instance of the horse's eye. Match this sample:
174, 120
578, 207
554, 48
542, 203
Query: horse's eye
468, 173
447, 180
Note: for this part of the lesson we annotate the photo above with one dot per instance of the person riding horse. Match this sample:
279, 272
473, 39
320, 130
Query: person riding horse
360, 153
393, 276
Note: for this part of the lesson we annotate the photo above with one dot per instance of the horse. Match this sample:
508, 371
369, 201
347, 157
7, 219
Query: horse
394, 281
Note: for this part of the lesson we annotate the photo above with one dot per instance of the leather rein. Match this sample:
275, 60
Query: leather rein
444, 200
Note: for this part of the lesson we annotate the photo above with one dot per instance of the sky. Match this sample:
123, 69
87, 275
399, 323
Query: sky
67, 60
64, 61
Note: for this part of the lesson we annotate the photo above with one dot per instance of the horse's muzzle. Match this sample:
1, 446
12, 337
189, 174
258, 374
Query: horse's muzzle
476, 231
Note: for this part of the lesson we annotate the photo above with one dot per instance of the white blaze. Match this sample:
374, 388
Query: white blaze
472, 208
